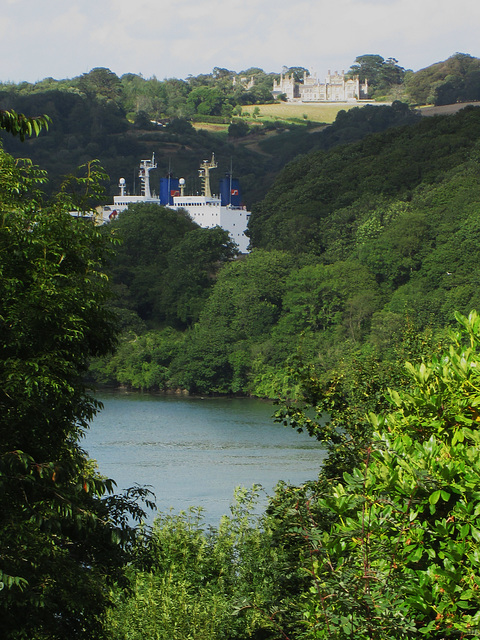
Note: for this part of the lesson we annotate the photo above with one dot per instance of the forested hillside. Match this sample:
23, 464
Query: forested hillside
384, 543
87, 127
119, 120
454, 80
84, 128
349, 246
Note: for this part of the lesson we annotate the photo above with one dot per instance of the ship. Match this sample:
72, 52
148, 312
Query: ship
206, 209
110, 211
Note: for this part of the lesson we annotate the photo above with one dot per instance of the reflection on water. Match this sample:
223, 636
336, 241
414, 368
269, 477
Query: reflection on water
195, 451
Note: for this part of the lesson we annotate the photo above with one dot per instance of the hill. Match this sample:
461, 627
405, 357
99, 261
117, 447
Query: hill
456, 79
88, 126
120, 120
349, 245
297, 213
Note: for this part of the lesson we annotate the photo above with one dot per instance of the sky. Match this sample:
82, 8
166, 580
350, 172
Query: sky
178, 38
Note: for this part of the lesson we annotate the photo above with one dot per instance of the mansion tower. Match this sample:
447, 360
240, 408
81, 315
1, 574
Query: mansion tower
336, 88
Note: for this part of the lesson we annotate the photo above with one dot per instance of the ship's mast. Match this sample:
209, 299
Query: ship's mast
204, 173
145, 167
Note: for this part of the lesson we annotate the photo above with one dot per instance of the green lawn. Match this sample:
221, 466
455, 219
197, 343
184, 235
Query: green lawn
287, 111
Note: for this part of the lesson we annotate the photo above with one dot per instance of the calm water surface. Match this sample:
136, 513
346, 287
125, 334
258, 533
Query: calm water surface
194, 452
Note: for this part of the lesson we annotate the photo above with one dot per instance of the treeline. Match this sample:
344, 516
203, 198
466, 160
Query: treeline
119, 120
348, 246
456, 79
148, 103
221, 94
88, 126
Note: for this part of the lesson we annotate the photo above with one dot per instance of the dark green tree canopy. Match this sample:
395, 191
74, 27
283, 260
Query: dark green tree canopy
456, 79
297, 72
63, 536
381, 74
101, 82
167, 262
296, 214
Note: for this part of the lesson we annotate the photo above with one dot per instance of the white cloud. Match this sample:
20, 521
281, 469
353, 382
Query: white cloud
167, 39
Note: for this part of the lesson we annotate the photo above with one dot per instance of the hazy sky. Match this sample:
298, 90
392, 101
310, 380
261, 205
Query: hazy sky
175, 38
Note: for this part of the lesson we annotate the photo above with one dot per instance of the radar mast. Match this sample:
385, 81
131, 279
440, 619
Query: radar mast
204, 173
145, 167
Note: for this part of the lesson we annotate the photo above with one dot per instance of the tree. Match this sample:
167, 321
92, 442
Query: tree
147, 233
238, 129
453, 80
297, 72
244, 305
193, 264
63, 535
101, 82
142, 121
392, 542
206, 101
381, 74
221, 581
220, 73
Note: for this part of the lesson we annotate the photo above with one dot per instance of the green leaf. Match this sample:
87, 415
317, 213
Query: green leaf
416, 555
475, 533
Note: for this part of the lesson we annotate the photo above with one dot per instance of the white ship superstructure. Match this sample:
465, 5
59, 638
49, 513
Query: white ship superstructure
209, 211
206, 210
121, 202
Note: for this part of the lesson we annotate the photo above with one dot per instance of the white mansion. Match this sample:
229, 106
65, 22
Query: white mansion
336, 88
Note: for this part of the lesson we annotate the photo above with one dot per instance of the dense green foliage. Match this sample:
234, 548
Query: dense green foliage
391, 544
349, 126
382, 546
64, 535
346, 243
167, 263
382, 75
454, 80
301, 211
119, 120
217, 583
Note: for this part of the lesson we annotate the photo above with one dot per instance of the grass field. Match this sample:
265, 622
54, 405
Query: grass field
208, 126
286, 111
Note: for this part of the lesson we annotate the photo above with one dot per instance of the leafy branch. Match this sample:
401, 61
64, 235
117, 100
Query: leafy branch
21, 125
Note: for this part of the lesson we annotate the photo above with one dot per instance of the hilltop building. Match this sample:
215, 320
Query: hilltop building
336, 88
246, 83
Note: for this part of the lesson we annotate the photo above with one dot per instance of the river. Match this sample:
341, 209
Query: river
195, 451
